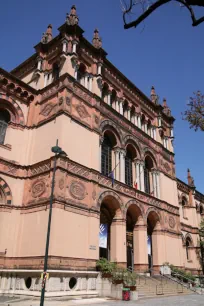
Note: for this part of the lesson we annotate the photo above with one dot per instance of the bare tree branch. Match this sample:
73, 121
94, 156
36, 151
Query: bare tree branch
150, 9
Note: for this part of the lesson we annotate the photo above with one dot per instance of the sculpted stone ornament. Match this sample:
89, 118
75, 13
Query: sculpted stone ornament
61, 184
81, 110
38, 188
77, 190
68, 101
172, 222
47, 109
47, 36
97, 41
72, 18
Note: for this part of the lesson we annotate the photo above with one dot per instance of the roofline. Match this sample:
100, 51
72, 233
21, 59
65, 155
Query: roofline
15, 79
13, 71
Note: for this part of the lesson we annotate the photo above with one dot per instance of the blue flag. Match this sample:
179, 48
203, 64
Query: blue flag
111, 175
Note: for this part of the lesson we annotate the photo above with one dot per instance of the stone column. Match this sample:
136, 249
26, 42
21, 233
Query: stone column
114, 104
122, 166
139, 122
90, 83
140, 246
64, 46
137, 174
117, 164
154, 134
142, 175
99, 68
100, 145
86, 81
109, 98
117, 106
121, 107
74, 45
118, 241
145, 127
136, 120
154, 183
158, 184
39, 67
128, 113
45, 79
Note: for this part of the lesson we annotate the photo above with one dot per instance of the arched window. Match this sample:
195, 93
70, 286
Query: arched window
143, 122
130, 155
81, 74
184, 203
125, 109
201, 209
188, 244
147, 172
106, 153
149, 127
4, 120
132, 114
56, 71
113, 98
105, 92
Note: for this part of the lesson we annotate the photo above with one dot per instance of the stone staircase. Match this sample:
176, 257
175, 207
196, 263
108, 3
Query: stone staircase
159, 286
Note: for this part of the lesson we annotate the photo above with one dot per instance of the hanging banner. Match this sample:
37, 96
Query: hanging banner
149, 245
103, 236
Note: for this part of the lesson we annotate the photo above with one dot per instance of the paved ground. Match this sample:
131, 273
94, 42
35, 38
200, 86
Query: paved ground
188, 300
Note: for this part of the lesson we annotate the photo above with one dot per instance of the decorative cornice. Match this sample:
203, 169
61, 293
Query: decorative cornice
75, 169
15, 87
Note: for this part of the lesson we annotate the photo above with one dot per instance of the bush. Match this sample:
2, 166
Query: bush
129, 278
118, 275
105, 266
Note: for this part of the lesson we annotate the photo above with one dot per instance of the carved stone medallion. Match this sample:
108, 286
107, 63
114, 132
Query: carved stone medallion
68, 101
172, 222
38, 188
61, 183
47, 109
81, 110
94, 195
77, 190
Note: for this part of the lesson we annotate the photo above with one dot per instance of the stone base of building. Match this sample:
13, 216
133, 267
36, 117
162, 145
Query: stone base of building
60, 283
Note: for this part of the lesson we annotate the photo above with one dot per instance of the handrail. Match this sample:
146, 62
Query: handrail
181, 283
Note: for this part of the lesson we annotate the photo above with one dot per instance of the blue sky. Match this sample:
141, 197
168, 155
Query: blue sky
167, 52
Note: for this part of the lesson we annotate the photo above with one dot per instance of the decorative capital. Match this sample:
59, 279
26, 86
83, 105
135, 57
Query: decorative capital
72, 18
97, 41
47, 36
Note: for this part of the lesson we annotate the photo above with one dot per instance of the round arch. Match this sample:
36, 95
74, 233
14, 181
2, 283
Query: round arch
5, 192
13, 108
128, 139
152, 211
189, 238
111, 195
109, 125
136, 204
149, 153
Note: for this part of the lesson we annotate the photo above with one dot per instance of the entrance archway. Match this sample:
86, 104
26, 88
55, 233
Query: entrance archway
153, 224
112, 230
134, 221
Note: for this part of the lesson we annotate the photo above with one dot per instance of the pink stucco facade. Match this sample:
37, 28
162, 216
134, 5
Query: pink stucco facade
68, 90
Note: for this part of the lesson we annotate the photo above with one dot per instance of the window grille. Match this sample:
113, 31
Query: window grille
106, 157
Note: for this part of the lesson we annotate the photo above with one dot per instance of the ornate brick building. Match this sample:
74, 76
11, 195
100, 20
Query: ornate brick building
119, 171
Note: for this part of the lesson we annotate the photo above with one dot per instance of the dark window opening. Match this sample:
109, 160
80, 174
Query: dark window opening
128, 168
4, 120
28, 282
106, 156
56, 72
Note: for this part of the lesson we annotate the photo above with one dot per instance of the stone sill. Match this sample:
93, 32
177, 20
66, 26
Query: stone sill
7, 146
